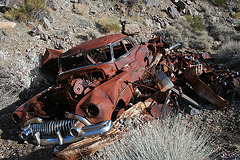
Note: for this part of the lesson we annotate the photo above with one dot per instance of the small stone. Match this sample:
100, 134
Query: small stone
46, 23
44, 36
173, 12
58, 43
52, 4
2, 37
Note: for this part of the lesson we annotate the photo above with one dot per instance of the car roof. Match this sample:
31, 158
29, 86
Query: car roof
95, 43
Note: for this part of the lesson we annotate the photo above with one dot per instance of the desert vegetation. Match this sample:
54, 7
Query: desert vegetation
176, 138
26, 10
229, 51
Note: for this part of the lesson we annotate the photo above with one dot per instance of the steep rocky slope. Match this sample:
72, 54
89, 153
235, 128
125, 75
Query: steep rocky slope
64, 24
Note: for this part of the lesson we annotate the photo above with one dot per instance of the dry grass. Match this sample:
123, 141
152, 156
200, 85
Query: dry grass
229, 51
171, 139
108, 24
26, 10
81, 9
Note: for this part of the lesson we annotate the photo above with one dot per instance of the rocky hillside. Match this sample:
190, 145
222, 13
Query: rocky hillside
27, 28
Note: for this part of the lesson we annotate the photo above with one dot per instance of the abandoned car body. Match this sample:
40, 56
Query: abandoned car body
90, 92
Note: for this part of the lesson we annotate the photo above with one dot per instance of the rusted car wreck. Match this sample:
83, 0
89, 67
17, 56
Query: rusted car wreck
97, 81
90, 92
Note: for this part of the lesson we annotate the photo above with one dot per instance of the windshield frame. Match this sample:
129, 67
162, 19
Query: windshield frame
60, 59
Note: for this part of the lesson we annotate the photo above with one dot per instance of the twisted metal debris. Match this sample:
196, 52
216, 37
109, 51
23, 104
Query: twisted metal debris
99, 80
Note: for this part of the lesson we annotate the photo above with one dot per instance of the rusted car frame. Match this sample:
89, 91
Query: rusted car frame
90, 84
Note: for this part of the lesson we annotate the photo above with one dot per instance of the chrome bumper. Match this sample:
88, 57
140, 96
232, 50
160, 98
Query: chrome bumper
73, 133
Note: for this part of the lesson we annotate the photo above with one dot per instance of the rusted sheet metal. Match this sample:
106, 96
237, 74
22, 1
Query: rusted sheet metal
98, 81
91, 82
202, 89
88, 146
102, 41
50, 54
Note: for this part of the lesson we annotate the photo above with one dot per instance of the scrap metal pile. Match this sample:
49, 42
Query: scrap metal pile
100, 81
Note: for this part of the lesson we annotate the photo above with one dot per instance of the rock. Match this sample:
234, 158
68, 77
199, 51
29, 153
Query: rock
82, 23
149, 22
131, 29
189, 11
7, 25
2, 37
214, 19
62, 34
13, 4
152, 3
181, 5
58, 43
92, 12
196, 13
74, 1
189, 2
86, 2
46, 23
163, 21
39, 15
44, 36
52, 4
36, 30
173, 12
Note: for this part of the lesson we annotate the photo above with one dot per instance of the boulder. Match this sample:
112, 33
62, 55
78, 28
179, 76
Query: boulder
7, 25
131, 29
173, 12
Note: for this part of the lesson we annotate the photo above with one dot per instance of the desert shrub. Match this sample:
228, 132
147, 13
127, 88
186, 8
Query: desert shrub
228, 51
107, 24
221, 32
171, 139
18, 73
195, 23
81, 9
181, 32
26, 10
171, 35
201, 41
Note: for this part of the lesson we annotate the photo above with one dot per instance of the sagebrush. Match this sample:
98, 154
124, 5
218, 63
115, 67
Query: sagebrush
171, 139
228, 51
26, 10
